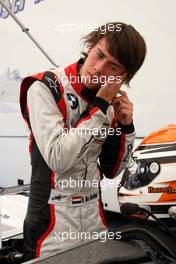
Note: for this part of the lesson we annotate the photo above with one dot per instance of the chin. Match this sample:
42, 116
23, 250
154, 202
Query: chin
92, 86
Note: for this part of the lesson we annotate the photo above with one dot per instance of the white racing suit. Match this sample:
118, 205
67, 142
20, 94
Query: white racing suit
75, 138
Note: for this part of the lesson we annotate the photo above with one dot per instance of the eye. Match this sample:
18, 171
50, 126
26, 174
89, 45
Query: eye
113, 68
99, 55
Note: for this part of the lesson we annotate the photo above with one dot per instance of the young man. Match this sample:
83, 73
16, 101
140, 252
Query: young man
81, 127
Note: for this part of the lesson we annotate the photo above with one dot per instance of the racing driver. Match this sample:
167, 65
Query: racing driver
81, 124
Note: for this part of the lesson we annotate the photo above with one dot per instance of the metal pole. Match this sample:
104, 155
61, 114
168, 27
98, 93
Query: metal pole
26, 30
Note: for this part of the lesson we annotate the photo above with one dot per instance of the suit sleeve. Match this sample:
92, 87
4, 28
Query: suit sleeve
116, 150
61, 150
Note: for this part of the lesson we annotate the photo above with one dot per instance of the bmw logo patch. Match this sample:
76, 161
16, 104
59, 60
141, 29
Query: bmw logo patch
73, 100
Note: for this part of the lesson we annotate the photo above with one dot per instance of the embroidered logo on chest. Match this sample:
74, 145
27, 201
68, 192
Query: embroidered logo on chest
73, 100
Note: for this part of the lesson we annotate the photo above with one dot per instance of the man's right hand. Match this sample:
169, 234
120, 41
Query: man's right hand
110, 90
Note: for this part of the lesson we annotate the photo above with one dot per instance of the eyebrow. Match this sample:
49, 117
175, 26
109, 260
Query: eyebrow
113, 63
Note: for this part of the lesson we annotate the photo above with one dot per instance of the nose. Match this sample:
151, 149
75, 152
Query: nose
99, 68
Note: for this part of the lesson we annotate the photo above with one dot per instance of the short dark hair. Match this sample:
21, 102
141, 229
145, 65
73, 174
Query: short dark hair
123, 42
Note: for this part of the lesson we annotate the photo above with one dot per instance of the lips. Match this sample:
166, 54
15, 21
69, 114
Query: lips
90, 76
91, 81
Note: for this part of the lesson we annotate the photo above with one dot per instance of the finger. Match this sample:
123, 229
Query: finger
115, 100
118, 81
121, 99
122, 108
125, 111
114, 85
122, 93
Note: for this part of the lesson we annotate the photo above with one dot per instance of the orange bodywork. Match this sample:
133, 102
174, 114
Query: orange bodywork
164, 135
